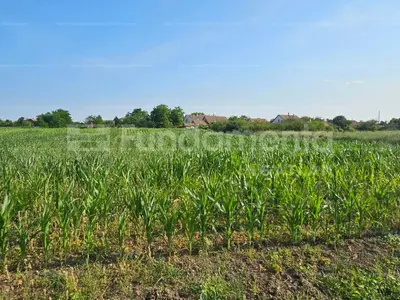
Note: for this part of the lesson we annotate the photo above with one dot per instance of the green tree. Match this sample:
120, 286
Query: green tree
109, 123
19, 122
306, 119
370, 125
233, 124
293, 125
176, 116
219, 126
197, 114
138, 117
317, 125
117, 122
259, 125
62, 118
160, 116
45, 120
22, 122
56, 119
6, 123
393, 124
341, 122
97, 120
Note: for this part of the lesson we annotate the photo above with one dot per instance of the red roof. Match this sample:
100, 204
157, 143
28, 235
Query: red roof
288, 117
212, 119
195, 123
257, 120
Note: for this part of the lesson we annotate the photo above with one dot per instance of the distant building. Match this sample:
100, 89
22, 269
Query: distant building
251, 120
212, 119
194, 124
191, 118
32, 121
282, 118
194, 121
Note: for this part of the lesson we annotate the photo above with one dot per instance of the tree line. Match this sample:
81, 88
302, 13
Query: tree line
164, 117
339, 123
244, 123
160, 117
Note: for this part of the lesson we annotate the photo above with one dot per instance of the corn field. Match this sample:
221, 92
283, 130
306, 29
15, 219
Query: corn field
59, 203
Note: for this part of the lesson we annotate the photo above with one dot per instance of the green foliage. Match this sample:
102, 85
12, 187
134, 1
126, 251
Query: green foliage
341, 122
117, 121
160, 116
214, 287
367, 126
163, 117
22, 122
176, 116
6, 123
363, 284
394, 124
56, 119
97, 120
138, 118
5, 218
257, 186
244, 124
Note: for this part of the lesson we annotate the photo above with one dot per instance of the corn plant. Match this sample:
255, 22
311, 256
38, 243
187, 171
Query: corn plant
188, 216
104, 203
227, 204
315, 210
45, 220
381, 211
91, 214
294, 214
22, 227
256, 185
148, 207
121, 232
66, 213
5, 218
169, 215
363, 206
204, 203
250, 209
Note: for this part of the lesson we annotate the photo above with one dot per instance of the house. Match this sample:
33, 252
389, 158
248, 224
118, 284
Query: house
282, 118
191, 118
212, 119
354, 123
32, 121
252, 120
194, 124
194, 121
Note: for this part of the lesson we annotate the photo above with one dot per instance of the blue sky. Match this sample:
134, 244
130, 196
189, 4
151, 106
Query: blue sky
228, 57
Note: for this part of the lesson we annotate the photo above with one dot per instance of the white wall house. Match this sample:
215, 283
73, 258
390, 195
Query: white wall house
278, 119
282, 118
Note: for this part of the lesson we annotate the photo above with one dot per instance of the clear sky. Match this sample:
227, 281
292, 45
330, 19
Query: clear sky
228, 57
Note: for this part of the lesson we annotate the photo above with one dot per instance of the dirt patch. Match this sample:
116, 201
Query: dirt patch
286, 272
